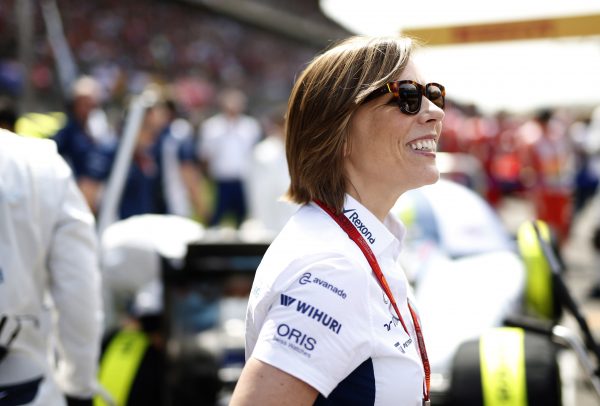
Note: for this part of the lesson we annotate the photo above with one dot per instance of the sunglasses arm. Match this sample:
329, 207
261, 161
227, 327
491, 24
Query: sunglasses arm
378, 92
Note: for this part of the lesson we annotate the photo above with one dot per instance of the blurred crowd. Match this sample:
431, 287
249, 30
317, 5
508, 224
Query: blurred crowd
126, 45
191, 57
549, 157
229, 170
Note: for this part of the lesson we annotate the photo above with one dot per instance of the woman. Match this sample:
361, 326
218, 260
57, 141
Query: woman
322, 326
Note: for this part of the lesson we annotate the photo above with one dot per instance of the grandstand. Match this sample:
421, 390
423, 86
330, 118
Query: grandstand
193, 46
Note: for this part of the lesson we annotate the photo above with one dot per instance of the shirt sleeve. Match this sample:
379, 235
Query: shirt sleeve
75, 288
186, 150
318, 327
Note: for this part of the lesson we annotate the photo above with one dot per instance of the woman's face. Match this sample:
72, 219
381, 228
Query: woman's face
382, 154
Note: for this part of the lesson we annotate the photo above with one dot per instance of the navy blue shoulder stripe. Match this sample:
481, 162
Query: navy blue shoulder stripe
358, 389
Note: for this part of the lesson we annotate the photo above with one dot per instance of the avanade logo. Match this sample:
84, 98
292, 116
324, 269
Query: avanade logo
354, 219
312, 312
308, 278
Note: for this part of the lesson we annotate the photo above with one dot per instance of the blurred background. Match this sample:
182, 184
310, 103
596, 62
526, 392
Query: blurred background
136, 84
481, 51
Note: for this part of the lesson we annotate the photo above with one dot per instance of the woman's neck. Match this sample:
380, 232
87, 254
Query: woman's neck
376, 202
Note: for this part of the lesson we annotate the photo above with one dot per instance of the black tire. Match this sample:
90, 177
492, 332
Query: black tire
542, 375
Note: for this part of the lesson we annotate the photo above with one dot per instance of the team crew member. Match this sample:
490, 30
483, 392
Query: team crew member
89, 155
225, 148
48, 249
330, 319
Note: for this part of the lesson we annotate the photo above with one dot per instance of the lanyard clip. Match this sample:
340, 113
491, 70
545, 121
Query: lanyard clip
426, 402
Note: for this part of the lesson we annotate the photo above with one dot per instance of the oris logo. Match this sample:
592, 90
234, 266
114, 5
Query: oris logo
359, 225
296, 338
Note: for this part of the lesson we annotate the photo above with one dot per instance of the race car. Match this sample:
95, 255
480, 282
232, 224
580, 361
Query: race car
472, 279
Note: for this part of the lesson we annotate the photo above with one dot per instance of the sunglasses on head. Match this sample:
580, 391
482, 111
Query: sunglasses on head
409, 94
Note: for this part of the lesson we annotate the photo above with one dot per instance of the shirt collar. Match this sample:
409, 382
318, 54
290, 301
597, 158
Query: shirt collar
380, 236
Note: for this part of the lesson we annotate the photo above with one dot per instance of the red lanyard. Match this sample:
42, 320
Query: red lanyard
355, 236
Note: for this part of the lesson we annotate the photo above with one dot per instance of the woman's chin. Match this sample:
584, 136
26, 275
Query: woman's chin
430, 177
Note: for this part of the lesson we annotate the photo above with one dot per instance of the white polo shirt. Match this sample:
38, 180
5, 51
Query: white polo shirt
317, 311
226, 144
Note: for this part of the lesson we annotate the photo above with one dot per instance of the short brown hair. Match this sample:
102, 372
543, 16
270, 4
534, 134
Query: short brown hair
323, 100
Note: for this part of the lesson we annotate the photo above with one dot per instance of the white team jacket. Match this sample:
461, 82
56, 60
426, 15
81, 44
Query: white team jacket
49, 271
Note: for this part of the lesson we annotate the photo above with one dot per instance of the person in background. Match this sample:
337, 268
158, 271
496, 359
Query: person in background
181, 177
225, 148
143, 192
585, 135
50, 298
268, 178
548, 158
330, 319
90, 155
132, 364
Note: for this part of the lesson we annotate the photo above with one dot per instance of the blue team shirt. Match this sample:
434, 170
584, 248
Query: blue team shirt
86, 157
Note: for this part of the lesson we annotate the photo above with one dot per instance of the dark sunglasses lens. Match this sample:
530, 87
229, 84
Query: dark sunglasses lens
436, 95
409, 98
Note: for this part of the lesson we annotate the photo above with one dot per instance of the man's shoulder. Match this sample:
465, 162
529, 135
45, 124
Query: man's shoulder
22, 147
34, 158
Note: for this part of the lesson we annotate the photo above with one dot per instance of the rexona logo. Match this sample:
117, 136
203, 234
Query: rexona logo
312, 312
295, 339
307, 278
359, 225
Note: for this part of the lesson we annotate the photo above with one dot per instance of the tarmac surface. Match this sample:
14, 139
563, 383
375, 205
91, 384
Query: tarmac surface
582, 274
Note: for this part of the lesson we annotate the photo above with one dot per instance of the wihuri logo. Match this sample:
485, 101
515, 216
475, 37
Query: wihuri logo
312, 312
359, 225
